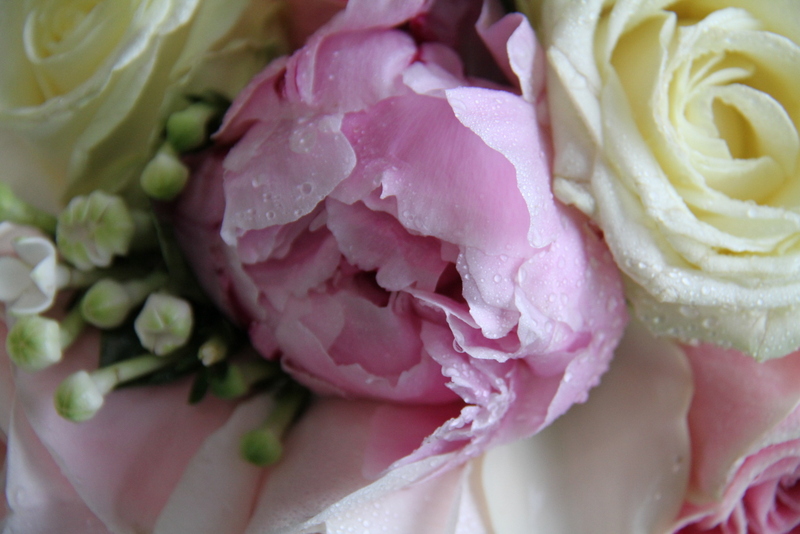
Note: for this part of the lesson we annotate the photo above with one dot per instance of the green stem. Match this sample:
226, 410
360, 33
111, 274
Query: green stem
239, 378
262, 446
71, 327
107, 378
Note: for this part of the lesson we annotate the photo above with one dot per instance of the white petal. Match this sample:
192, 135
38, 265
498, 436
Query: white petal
14, 278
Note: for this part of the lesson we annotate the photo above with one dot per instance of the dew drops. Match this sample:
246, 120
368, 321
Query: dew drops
307, 188
567, 377
270, 215
676, 465
497, 279
303, 139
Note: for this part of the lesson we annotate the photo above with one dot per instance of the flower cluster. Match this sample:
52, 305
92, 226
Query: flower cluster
296, 266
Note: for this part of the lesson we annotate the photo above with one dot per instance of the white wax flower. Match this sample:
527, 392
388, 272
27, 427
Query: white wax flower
93, 229
30, 278
164, 324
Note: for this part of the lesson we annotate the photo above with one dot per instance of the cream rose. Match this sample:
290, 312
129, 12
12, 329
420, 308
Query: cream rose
84, 84
676, 129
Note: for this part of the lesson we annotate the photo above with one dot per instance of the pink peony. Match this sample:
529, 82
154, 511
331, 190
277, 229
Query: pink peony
383, 222
745, 427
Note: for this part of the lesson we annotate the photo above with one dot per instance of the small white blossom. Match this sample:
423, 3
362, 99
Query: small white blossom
30, 278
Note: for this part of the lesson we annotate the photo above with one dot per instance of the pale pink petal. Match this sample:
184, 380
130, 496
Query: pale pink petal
375, 241
728, 382
507, 123
307, 487
40, 498
216, 492
125, 462
350, 71
427, 156
323, 348
280, 170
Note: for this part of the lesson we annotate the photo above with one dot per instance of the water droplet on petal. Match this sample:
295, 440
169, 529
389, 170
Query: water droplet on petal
303, 139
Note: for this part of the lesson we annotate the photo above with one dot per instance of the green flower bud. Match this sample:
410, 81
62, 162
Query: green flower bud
188, 129
165, 175
261, 447
108, 302
164, 324
213, 351
93, 229
34, 342
79, 397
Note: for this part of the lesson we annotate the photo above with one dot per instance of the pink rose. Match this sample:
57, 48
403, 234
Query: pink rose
388, 228
745, 426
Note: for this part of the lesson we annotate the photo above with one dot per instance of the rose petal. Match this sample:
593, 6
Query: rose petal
617, 464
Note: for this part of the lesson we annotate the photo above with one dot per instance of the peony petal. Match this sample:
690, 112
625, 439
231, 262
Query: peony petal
375, 241
507, 124
280, 170
427, 156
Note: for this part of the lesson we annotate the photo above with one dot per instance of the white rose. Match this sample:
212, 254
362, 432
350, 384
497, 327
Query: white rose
85, 84
676, 129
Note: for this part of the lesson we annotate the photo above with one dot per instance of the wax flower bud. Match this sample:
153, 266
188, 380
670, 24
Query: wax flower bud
164, 324
93, 229
165, 175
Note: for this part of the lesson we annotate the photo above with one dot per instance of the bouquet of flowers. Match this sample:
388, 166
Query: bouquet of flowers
405, 266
